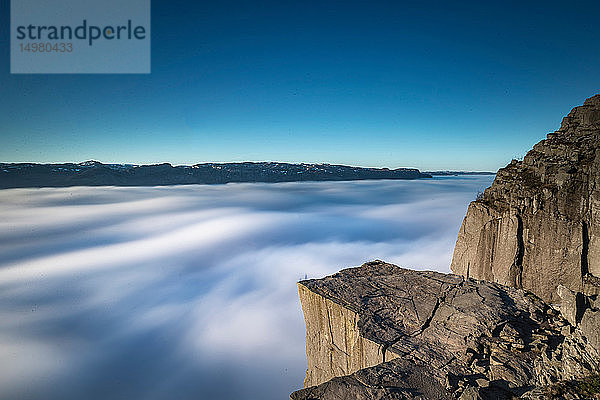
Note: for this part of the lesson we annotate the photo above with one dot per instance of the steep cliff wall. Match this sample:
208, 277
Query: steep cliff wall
538, 225
334, 346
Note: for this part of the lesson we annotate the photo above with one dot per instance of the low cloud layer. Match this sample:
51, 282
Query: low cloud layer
189, 292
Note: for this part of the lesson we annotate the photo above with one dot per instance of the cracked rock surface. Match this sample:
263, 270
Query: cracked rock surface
432, 336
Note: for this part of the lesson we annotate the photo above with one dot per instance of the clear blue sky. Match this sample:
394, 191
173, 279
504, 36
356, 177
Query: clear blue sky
433, 85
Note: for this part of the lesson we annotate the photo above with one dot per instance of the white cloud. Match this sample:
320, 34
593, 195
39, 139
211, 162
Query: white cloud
158, 289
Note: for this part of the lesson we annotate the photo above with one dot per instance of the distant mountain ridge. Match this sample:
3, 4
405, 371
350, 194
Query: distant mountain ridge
94, 173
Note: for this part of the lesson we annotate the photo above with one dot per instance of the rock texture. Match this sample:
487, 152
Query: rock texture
443, 336
538, 225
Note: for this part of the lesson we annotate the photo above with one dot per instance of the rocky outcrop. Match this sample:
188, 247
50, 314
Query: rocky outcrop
538, 225
393, 380
521, 319
443, 336
582, 311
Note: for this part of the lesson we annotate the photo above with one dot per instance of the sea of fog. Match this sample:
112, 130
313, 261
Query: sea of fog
189, 292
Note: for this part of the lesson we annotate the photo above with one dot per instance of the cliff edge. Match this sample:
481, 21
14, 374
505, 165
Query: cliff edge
521, 317
383, 332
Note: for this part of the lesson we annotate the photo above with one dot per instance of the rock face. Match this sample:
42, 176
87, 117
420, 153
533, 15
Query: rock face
538, 225
384, 332
334, 346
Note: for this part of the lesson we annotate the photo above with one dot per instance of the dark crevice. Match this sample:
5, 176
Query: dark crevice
585, 240
581, 305
384, 349
427, 322
468, 269
496, 331
518, 263
479, 294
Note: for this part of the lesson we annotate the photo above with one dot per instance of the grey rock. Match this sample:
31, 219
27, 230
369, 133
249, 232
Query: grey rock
590, 326
442, 336
538, 225
397, 379
572, 304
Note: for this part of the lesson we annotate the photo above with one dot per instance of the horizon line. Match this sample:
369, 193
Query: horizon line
241, 162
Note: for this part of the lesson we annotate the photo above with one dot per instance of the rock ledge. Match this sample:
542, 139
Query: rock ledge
433, 336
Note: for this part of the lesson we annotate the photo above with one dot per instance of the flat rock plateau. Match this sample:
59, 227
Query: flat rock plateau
518, 319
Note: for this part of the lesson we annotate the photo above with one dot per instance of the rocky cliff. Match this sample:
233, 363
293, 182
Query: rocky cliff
384, 332
538, 225
521, 319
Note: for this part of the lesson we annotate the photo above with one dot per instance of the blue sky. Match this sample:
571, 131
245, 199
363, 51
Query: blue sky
442, 85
